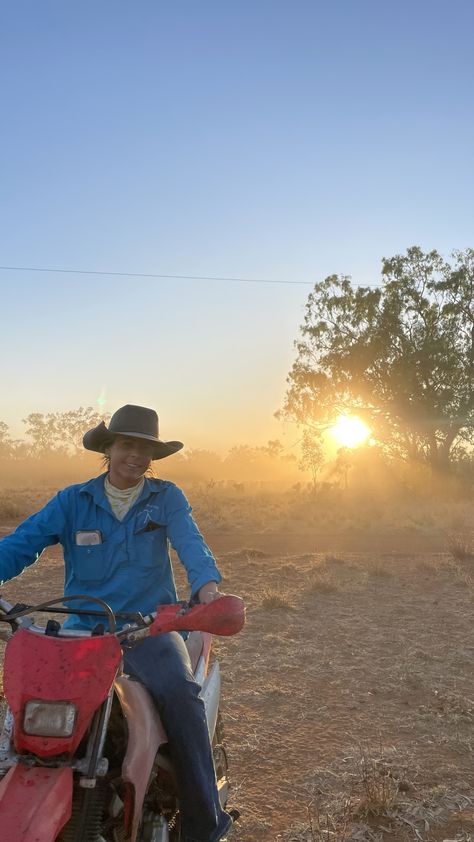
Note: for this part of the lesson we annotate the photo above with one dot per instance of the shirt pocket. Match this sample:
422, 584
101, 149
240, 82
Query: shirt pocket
90, 562
151, 546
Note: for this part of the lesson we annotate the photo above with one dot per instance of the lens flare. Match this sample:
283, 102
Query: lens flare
101, 400
350, 431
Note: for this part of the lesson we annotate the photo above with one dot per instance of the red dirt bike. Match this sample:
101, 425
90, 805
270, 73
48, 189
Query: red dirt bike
83, 754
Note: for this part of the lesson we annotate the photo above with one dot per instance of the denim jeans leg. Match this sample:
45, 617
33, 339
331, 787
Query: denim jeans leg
162, 664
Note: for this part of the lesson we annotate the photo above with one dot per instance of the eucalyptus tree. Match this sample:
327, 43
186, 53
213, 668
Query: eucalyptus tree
400, 355
60, 432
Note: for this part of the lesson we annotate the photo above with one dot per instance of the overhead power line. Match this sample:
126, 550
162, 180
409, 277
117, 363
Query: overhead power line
157, 275
153, 275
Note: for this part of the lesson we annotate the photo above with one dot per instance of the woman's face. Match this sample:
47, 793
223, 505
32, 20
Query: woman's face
129, 460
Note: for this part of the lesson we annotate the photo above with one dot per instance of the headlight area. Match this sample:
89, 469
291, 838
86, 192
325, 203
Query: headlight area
49, 719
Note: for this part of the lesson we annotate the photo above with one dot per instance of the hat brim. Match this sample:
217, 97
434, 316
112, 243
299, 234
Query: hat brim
100, 437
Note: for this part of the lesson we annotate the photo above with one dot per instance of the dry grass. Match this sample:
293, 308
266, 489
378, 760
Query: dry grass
10, 508
379, 789
323, 581
352, 632
265, 510
369, 797
379, 570
273, 600
321, 827
460, 549
332, 560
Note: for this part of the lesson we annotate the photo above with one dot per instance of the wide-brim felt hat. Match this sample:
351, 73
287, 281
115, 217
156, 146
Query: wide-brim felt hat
138, 422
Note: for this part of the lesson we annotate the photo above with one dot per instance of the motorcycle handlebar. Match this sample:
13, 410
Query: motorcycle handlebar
224, 616
4, 606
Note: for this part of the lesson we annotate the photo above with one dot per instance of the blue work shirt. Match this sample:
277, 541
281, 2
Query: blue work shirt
130, 568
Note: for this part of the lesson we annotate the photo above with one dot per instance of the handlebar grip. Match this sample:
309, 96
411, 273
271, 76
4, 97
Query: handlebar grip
224, 616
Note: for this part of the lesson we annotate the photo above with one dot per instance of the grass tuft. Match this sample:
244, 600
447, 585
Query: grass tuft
322, 827
460, 549
378, 788
273, 600
333, 560
379, 570
323, 581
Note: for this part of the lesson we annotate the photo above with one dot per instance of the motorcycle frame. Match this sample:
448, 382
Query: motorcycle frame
137, 765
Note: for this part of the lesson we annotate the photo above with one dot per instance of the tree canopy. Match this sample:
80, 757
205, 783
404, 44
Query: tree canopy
60, 432
399, 355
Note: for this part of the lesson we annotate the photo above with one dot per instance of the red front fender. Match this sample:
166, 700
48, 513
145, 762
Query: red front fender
34, 803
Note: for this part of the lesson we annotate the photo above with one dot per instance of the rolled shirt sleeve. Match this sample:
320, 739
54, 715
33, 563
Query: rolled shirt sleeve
24, 546
188, 542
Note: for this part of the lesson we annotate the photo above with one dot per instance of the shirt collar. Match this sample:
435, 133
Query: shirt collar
95, 488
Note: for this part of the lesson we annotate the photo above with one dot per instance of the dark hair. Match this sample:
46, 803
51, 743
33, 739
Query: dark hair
106, 458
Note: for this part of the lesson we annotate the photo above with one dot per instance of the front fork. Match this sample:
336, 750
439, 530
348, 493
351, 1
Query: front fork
94, 765
88, 799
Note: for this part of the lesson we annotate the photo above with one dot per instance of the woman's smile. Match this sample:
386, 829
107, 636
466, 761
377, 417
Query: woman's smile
129, 460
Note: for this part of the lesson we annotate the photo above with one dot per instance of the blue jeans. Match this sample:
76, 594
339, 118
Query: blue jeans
163, 666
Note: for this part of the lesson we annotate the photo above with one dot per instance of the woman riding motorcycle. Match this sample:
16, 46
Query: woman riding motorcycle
115, 532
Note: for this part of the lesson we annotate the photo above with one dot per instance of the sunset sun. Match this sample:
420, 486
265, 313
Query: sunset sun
349, 431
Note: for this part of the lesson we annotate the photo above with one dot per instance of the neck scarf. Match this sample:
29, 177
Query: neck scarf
122, 499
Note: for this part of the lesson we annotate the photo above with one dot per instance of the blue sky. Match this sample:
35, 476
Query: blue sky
261, 139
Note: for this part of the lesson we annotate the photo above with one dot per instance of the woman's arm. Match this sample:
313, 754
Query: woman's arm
186, 539
25, 545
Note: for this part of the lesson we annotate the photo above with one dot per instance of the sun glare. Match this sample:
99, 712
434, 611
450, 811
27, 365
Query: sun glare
350, 431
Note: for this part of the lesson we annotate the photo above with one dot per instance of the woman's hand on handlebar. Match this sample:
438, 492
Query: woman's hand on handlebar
208, 593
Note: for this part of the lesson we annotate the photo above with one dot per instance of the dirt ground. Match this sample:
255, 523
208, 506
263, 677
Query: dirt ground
348, 699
